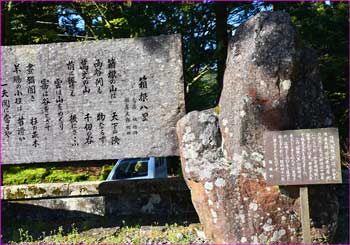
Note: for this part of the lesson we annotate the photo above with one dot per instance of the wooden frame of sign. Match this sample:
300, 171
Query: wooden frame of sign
303, 157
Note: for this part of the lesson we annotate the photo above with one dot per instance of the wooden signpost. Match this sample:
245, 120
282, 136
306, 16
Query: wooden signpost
303, 157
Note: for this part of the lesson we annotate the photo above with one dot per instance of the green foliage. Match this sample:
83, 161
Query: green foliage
18, 176
177, 236
106, 169
326, 29
118, 22
179, 172
204, 91
25, 237
62, 175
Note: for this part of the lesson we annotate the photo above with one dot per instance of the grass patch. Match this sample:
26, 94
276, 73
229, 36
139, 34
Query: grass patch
173, 234
17, 175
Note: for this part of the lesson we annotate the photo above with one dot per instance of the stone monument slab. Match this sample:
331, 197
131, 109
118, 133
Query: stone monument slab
91, 100
271, 83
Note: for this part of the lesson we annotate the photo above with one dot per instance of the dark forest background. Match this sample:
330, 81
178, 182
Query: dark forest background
205, 28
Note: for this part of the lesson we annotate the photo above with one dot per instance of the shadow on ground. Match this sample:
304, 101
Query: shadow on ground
39, 220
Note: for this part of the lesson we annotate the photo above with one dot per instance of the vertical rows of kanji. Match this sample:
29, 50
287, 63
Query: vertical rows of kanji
91, 100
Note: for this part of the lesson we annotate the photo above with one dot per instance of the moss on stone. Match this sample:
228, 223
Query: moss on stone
57, 192
36, 190
18, 194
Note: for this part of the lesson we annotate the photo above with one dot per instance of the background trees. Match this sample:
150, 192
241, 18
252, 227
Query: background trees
205, 27
325, 27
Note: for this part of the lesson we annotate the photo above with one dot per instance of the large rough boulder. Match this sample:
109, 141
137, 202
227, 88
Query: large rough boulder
271, 83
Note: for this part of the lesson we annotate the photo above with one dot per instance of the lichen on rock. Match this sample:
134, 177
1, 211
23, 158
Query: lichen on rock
271, 83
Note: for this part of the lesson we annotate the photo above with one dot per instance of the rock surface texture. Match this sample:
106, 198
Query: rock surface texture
271, 83
91, 100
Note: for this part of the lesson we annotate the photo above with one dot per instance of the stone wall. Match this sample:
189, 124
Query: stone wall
157, 198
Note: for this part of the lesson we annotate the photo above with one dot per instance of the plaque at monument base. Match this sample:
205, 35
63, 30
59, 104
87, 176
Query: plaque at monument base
91, 100
302, 157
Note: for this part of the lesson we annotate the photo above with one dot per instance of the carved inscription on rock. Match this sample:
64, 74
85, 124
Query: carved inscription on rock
91, 100
306, 156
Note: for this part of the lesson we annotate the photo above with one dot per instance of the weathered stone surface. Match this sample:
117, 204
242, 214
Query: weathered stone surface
270, 83
50, 190
84, 188
92, 188
91, 100
156, 198
34, 191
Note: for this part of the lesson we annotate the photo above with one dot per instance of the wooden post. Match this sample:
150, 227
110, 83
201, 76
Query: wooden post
305, 215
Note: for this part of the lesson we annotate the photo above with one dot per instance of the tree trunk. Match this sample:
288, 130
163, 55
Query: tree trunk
222, 42
6, 23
